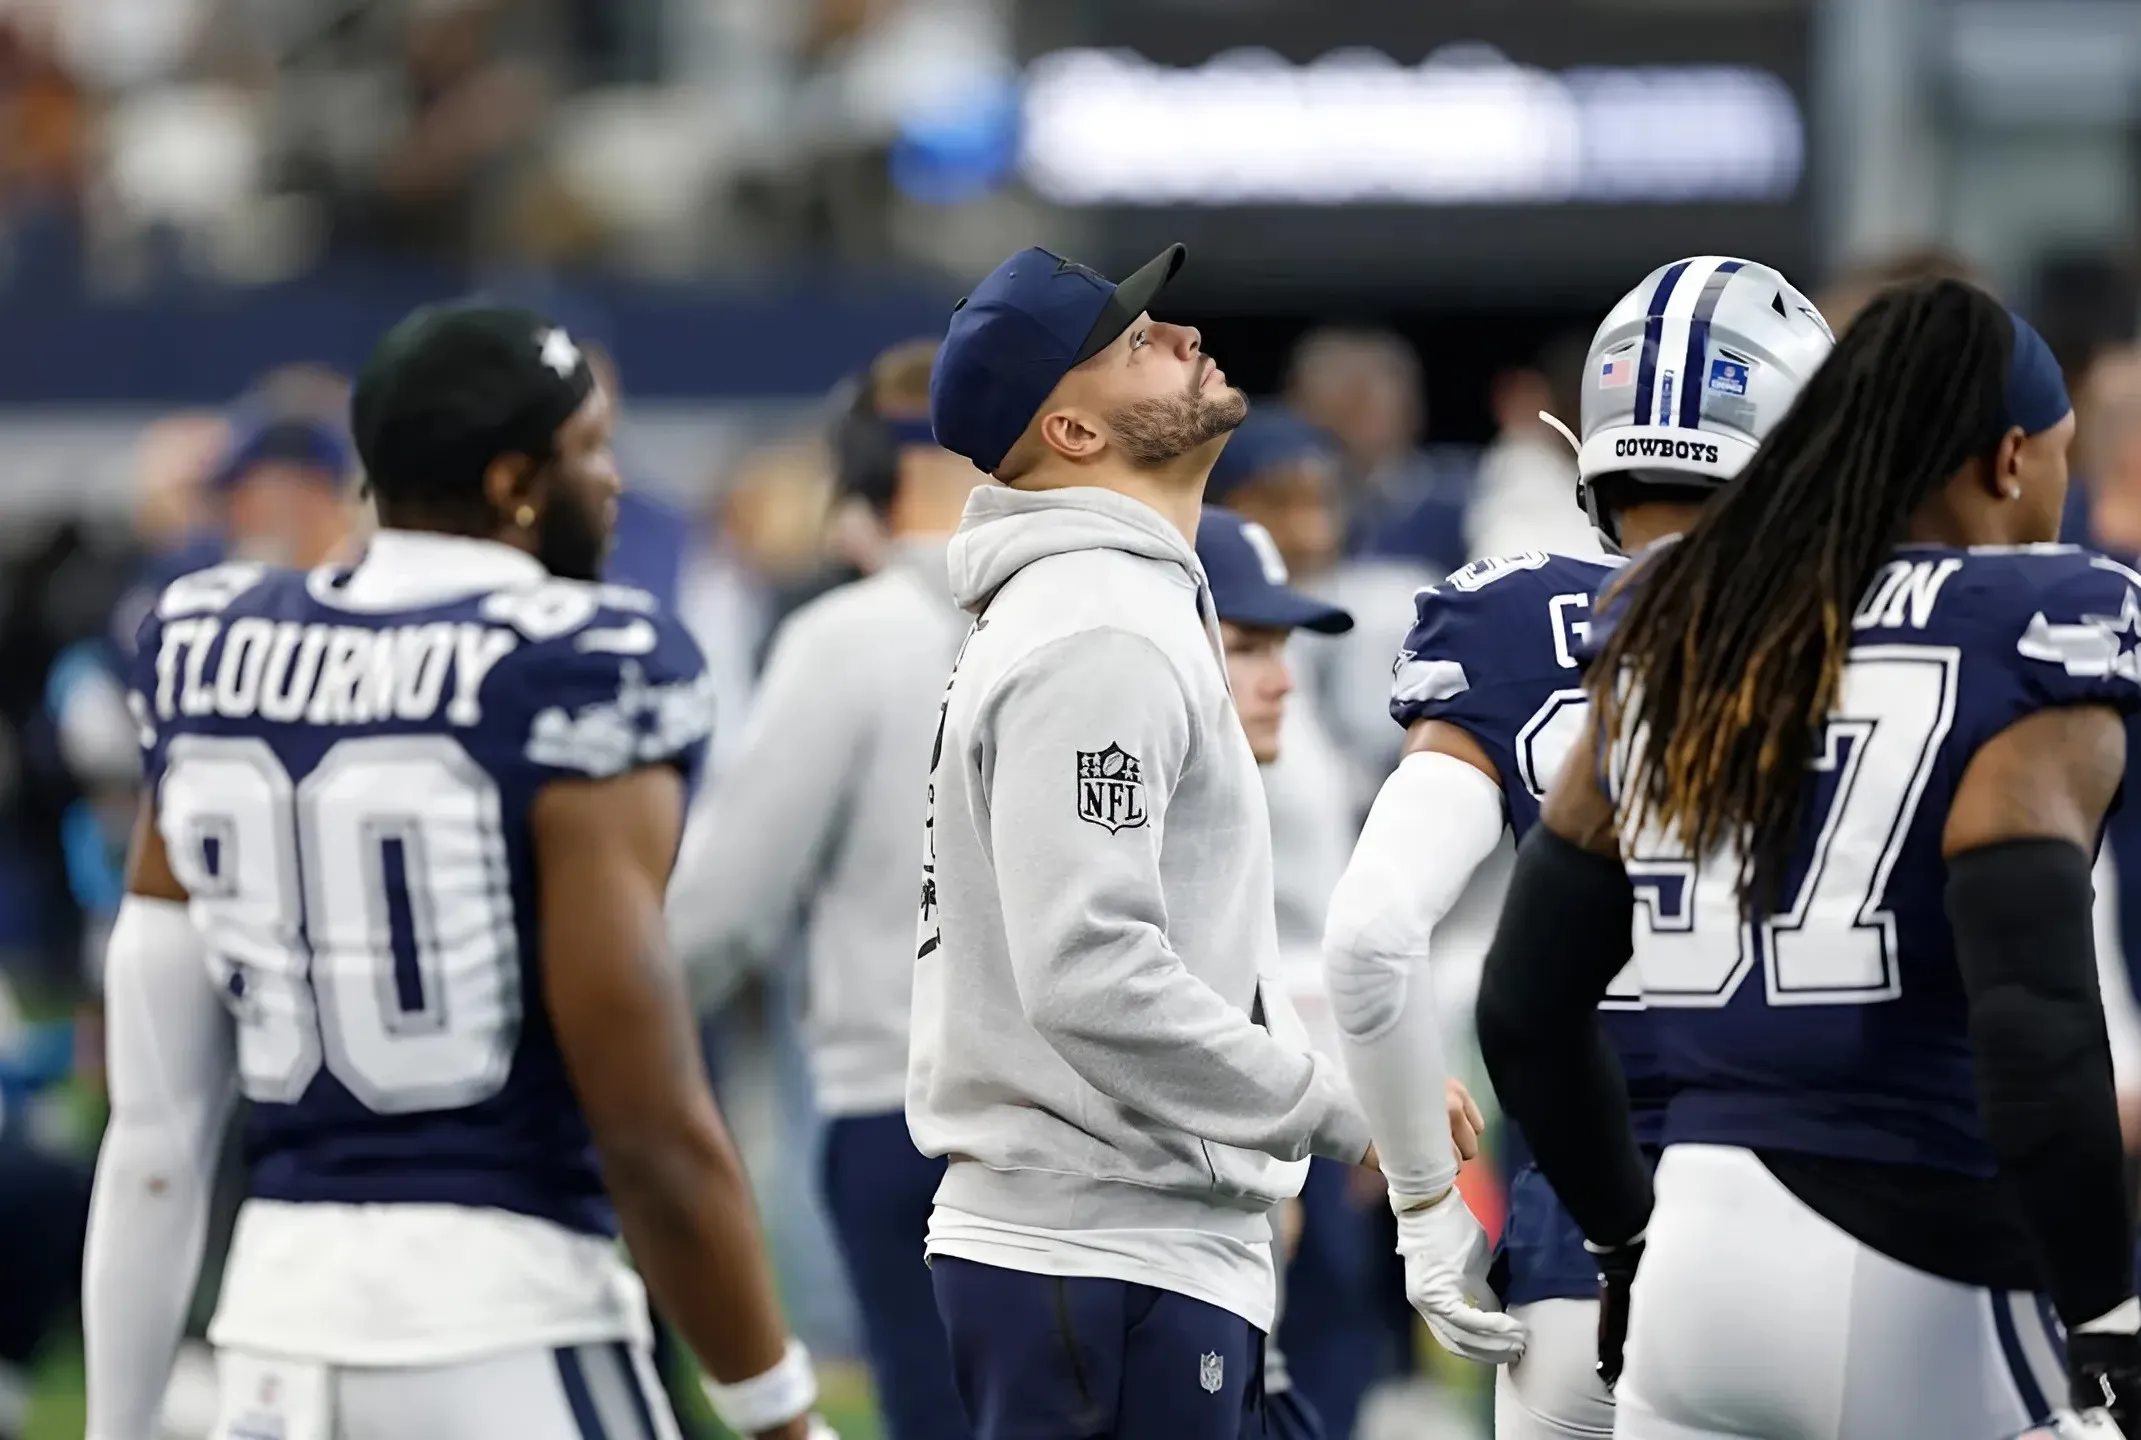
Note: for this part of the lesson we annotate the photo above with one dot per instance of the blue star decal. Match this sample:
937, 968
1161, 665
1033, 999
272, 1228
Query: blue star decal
2124, 630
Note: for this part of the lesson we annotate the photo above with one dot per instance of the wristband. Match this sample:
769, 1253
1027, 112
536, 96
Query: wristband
1403, 1204
769, 1399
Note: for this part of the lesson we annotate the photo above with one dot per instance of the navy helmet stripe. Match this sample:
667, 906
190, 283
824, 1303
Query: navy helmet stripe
2018, 1369
1646, 375
1691, 370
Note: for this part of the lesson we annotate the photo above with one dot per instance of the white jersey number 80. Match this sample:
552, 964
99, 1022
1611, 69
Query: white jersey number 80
361, 920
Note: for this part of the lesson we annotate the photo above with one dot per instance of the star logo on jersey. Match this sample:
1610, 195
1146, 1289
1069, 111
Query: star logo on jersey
1211, 1371
558, 352
2098, 645
1111, 789
644, 724
2125, 632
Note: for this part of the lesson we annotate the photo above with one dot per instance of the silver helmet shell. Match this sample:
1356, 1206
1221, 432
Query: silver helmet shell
1688, 373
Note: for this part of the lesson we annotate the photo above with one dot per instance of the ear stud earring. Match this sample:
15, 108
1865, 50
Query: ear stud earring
524, 517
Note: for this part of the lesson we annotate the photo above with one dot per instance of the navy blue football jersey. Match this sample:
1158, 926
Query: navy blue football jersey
344, 793
1497, 649
1834, 1024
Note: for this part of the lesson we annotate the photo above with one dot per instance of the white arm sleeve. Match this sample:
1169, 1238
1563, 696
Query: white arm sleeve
1434, 821
171, 1075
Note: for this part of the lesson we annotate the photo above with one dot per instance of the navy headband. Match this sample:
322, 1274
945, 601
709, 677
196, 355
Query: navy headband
2034, 398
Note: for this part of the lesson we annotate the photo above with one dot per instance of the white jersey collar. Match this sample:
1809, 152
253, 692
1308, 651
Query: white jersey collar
403, 569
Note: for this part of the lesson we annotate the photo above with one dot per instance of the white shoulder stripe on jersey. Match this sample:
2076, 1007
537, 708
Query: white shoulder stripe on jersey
2105, 562
1426, 681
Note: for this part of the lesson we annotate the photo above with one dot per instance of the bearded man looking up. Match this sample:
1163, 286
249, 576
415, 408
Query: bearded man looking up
1122, 1095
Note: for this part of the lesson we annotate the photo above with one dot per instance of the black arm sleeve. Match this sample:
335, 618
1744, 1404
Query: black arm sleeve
2026, 946
1563, 936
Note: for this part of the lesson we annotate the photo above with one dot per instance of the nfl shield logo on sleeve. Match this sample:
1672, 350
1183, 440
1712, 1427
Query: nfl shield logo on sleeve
1111, 789
1211, 1371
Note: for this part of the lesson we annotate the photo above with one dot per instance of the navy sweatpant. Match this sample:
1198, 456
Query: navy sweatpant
878, 1189
44, 1216
1039, 1357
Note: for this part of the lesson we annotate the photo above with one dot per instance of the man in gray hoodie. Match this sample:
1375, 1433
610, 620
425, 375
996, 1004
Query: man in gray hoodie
1121, 1096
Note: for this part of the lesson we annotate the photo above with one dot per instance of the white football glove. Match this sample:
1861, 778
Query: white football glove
1446, 1257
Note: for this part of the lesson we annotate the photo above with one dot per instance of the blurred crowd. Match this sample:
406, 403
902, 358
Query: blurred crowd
1338, 467
247, 140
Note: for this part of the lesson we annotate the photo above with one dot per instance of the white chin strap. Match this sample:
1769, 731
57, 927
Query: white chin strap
1563, 431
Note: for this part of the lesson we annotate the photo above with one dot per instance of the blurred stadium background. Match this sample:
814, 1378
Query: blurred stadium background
1403, 216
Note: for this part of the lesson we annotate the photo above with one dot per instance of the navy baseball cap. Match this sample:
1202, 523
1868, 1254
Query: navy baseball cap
1028, 324
1248, 578
1267, 439
304, 442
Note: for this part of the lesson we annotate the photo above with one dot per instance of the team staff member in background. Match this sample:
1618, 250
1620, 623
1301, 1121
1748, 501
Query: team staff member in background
1274, 472
1122, 1098
816, 813
1258, 614
1278, 471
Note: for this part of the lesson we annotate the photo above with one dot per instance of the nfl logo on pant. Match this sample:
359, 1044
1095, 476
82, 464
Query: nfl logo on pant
1111, 789
1211, 1371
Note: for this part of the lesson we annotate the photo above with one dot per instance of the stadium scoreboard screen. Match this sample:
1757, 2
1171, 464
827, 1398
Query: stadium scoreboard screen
1409, 147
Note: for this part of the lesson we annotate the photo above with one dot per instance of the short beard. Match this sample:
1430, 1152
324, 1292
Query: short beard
1153, 433
569, 541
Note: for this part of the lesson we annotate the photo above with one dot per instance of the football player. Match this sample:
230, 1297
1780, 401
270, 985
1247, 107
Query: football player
1684, 377
1851, 745
398, 879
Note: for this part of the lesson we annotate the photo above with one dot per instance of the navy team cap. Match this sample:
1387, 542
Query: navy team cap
1028, 324
1248, 578
1266, 440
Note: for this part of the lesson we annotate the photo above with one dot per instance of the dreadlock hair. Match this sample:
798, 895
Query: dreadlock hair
1715, 685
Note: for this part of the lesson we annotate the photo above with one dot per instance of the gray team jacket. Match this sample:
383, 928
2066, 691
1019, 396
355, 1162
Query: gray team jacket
1090, 1044
815, 817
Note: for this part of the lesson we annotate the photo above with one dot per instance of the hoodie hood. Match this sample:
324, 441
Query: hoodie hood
1005, 530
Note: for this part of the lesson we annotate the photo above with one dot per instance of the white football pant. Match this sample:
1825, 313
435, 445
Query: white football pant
1754, 1318
583, 1392
1554, 1392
